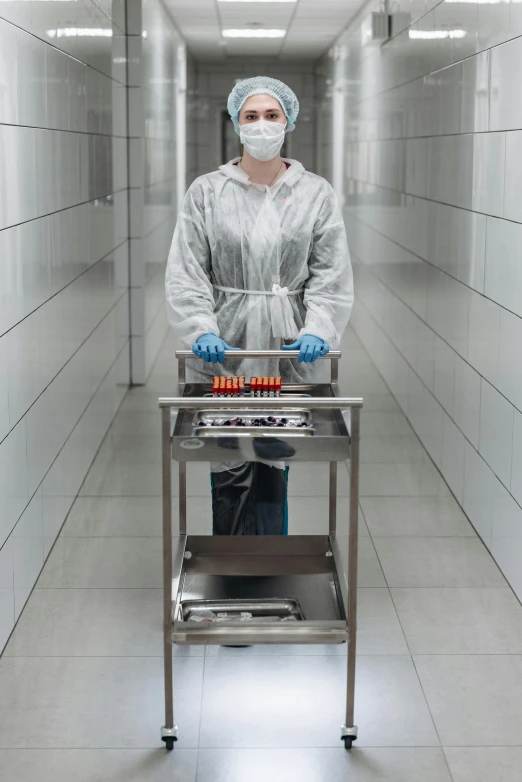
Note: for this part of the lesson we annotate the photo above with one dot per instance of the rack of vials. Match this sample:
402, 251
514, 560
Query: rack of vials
224, 386
243, 590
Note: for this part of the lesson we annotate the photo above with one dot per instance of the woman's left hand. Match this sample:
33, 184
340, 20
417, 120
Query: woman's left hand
310, 348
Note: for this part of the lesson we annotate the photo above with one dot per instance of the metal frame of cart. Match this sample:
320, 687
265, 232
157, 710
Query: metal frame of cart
295, 557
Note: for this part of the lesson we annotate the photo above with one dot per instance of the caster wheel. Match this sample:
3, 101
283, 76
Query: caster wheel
169, 744
348, 741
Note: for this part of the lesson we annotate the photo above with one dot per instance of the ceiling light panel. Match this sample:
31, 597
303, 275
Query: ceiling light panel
435, 35
253, 33
258, 2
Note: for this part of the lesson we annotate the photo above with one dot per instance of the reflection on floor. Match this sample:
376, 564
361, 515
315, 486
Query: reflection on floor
440, 645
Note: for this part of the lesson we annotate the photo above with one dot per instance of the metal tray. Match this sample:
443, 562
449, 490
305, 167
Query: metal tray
253, 431
233, 610
294, 416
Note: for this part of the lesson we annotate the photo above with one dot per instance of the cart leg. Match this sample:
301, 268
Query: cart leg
349, 729
333, 499
182, 498
169, 732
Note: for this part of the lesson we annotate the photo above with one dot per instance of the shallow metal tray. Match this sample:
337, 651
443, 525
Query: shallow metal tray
261, 610
292, 415
252, 431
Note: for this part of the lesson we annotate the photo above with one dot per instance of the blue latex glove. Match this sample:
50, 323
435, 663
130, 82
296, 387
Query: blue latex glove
209, 347
310, 348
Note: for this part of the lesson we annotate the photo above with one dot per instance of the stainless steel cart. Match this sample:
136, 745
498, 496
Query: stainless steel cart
259, 589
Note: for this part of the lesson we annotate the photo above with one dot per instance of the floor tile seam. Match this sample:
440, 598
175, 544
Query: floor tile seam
200, 724
446, 761
254, 747
307, 656
481, 746
326, 747
427, 703
90, 657
443, 586
467, 654
469, 536
112, 537
453, 588
89, 749
207, 496
206, 656
393, 603
395, 496
99, 589
83, 588
432, 537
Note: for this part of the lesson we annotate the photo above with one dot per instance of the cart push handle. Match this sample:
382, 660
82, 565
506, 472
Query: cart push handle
261, 403
333, 354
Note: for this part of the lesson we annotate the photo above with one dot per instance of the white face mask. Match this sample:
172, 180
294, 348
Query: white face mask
263, 140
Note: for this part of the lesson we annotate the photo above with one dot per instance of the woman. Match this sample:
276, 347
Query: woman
259, 258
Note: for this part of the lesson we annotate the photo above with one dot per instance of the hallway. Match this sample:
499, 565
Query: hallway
440, 640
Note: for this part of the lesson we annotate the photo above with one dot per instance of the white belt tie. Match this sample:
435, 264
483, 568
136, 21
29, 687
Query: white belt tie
281, 312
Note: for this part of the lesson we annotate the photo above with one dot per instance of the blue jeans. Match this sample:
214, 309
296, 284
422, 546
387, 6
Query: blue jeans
251, 499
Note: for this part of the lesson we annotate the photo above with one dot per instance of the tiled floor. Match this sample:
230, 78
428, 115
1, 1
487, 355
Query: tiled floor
440, 633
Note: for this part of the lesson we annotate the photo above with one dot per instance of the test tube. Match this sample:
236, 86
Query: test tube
278, 384
265, 386
222, 385
253, 386
229, 386
235, 386
215, 386
271, 387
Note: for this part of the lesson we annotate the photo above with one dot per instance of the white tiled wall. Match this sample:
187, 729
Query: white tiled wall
214, 83
432, 193
64, 316
154, 54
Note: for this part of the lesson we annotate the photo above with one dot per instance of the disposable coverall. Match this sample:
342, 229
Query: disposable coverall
282, 257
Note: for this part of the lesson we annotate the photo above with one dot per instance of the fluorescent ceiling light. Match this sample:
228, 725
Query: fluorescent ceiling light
431, 35
254, 33
80, 32
268, 1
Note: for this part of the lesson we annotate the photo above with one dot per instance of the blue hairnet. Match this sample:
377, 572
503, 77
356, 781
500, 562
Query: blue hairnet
263, 85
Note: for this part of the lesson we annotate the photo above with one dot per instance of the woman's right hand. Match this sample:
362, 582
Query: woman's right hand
211, 348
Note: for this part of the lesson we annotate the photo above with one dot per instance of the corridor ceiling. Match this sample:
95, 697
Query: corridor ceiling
310, 26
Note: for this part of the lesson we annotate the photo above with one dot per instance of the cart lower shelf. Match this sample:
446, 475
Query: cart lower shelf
303, 571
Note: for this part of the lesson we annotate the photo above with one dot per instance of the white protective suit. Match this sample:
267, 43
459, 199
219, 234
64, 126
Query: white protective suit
235, 242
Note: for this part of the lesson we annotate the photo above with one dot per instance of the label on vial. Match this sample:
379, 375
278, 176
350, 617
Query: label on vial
192, 444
